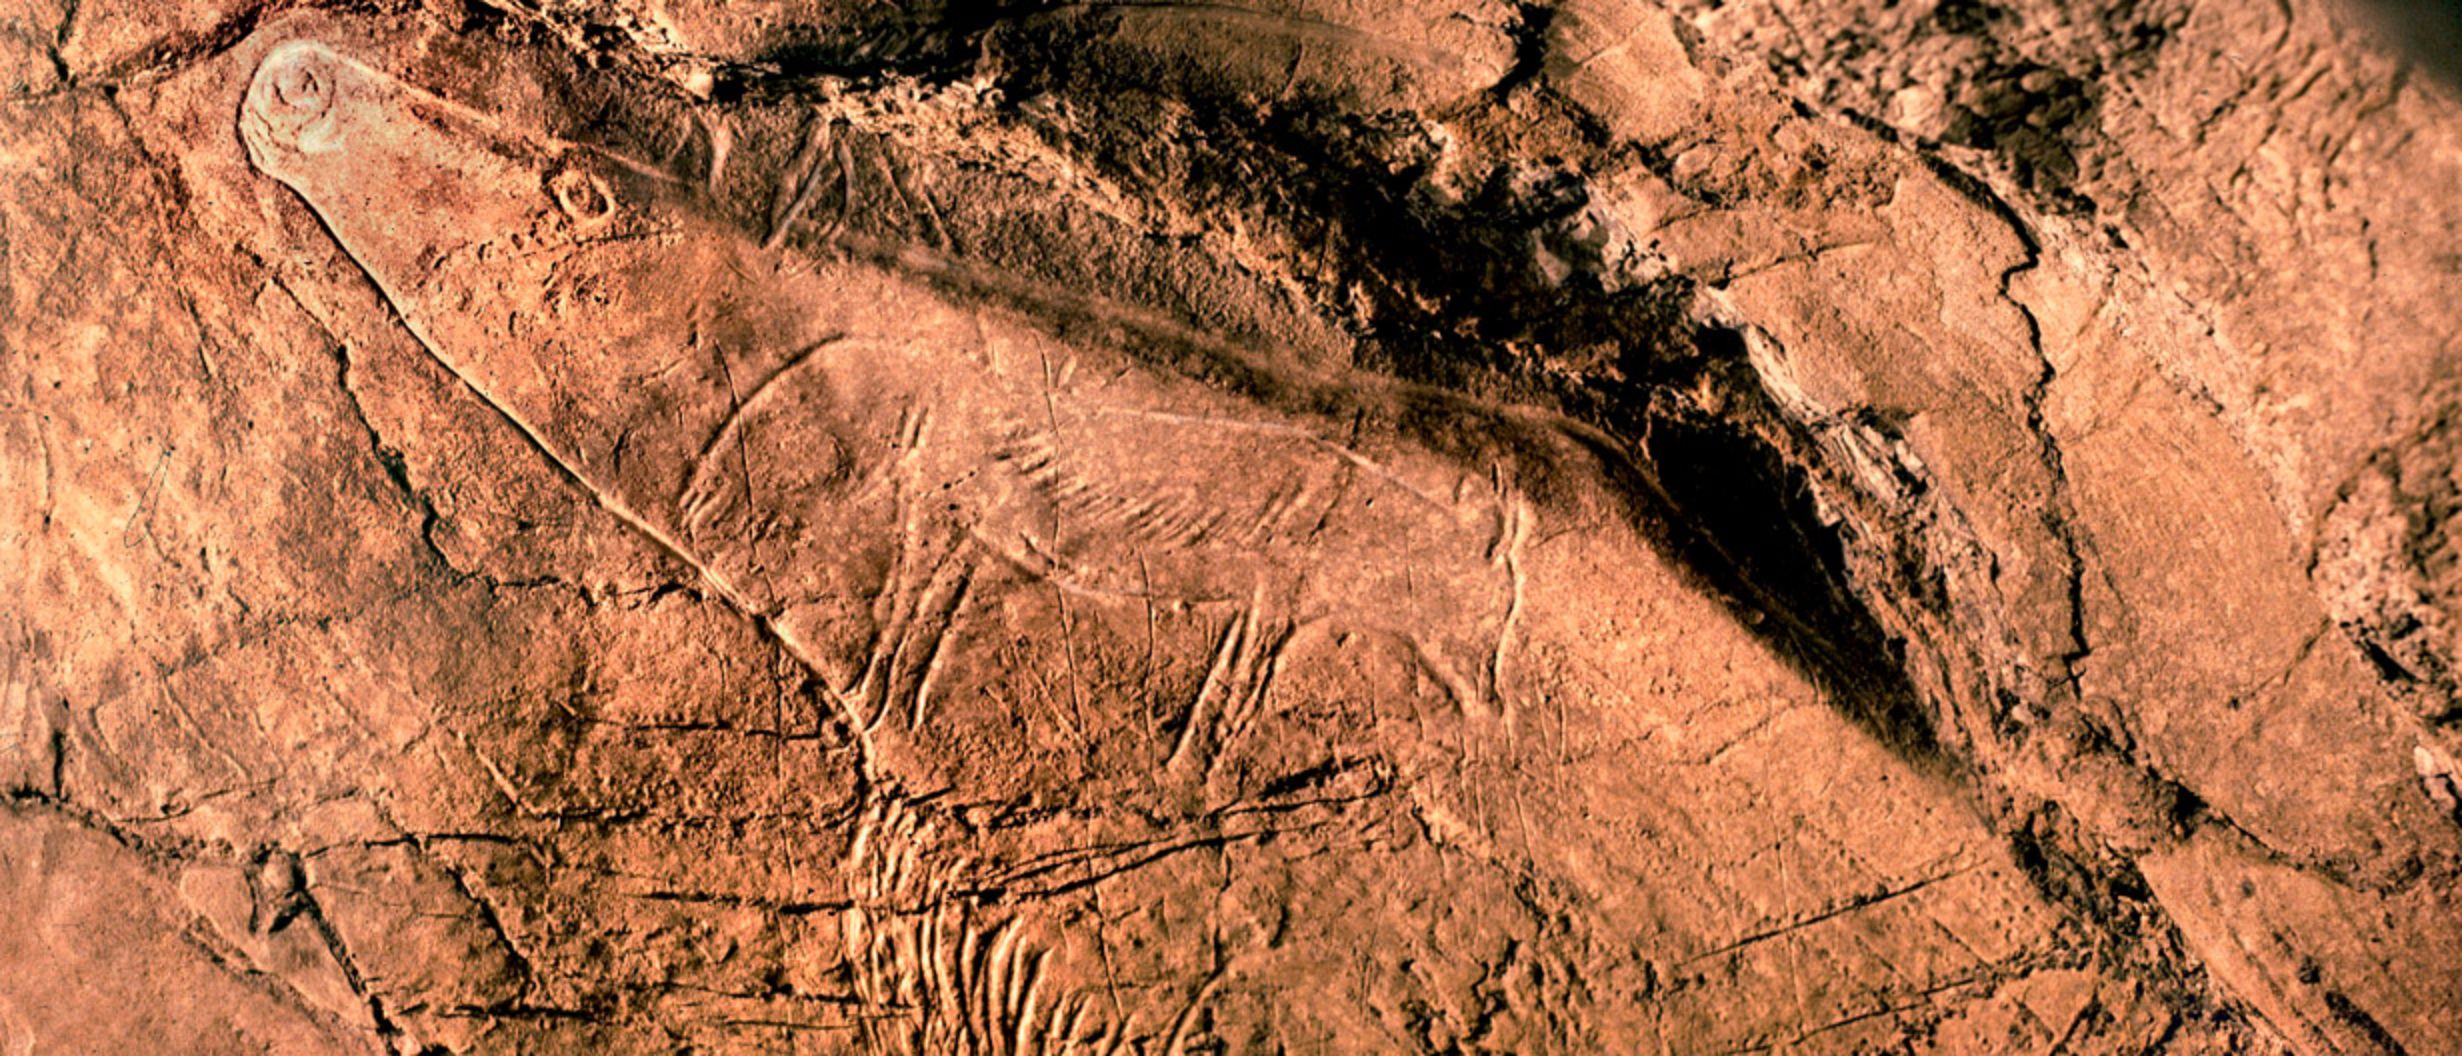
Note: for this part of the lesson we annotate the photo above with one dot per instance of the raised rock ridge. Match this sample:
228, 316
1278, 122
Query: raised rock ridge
615, 525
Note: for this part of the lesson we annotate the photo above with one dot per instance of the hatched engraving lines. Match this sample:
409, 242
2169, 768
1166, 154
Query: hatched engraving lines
934, 972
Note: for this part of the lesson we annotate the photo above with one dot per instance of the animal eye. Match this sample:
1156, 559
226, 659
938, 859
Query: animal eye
294, 98
582, 196
301, 86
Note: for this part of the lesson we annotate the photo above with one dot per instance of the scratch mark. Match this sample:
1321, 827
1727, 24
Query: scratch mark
1068, 649
1146, 582
940, 642
732, 427
1292, 431
1517, 535
1225, 652
1852, 905
1261, 665
796, 196
141, 513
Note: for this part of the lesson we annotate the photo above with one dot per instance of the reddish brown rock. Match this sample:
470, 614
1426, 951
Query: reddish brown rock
1602, 526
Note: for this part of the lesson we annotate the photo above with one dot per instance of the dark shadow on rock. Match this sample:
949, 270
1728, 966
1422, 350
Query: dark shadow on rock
1471, 299
2428, 32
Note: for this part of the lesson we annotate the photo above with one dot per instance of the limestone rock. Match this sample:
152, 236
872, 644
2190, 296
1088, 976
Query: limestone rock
543, 526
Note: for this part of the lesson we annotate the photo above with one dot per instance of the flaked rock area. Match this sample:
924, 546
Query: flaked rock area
1304, 526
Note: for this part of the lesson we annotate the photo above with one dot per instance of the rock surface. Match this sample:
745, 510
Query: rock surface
1273, 526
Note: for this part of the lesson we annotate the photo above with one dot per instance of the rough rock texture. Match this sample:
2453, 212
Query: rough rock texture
1268, 526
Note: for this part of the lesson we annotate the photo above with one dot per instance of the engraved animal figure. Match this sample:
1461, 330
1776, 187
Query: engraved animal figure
837, 449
